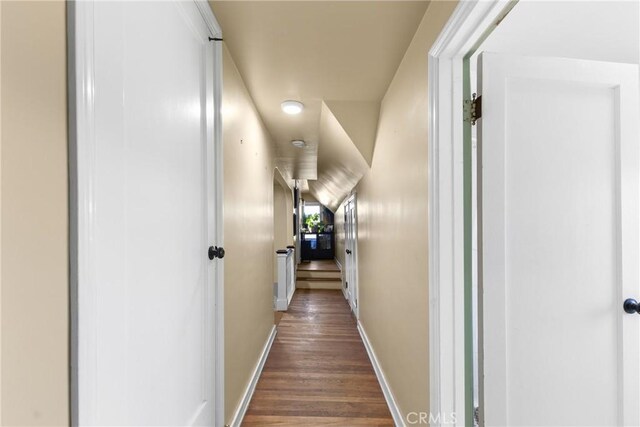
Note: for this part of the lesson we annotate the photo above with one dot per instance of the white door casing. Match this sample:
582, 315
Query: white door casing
351, 255
347, 264
355, 291
347, 249
470, 23
559, 211
147, 168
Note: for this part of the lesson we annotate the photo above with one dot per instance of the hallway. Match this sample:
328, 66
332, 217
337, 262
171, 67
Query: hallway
318, 371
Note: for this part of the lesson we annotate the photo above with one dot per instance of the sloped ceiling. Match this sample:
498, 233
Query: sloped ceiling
340, 163
359, 119
337, 58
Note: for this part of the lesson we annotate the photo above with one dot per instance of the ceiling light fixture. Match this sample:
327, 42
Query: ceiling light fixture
292, 107
298, 143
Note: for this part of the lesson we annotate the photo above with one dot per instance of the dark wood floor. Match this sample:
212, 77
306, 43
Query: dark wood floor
318, 371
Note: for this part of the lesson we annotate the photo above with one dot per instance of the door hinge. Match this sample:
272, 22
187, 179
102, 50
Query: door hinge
473, 109
346, 285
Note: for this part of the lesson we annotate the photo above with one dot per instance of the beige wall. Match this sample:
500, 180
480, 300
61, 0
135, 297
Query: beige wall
279, 226
282, 217
34, 275
248, 229
1, 213
289, 217
34, 298
283, 220
392, 225
309, 198
279, 210
33, 197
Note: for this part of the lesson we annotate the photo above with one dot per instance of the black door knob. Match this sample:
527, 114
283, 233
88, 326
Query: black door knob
216, 252
631, 306
348, 252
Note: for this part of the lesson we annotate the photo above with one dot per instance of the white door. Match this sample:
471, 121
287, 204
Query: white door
146, 216
347, 249
559, 188
351, 259
346, 265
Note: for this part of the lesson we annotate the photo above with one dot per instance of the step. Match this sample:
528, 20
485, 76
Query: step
319, 274
323, 265
319, 283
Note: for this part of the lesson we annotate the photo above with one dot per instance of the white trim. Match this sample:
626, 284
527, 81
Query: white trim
285, 287
290, 297
353, 198
294, 279
81, 164
468, 24
341, 277
209, 18
384, 385
216, 31
241, 410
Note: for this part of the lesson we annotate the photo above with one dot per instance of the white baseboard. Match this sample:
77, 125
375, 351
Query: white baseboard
251, 387
281, 304
386, 390
344, 291
290, 297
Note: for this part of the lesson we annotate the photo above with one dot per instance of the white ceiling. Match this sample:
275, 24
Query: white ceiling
336, 57
595, 30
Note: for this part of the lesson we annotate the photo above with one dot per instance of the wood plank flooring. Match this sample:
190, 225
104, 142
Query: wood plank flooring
322, 274
318, 265
318, 372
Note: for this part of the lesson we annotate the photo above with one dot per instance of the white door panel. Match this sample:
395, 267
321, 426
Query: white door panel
347, 248
146, 332
559, 189
351, 260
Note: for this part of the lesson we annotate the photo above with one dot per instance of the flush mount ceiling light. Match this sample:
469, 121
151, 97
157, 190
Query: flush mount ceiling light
292, 107
298, 143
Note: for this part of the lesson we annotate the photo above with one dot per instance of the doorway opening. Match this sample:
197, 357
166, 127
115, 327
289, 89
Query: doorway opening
490, 205
558, 235
318, 240
351, 253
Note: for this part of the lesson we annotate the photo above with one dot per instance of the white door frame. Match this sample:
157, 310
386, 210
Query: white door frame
354, 255
81, 155
468, 26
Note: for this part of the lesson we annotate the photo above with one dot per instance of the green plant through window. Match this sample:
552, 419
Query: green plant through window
312, 221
